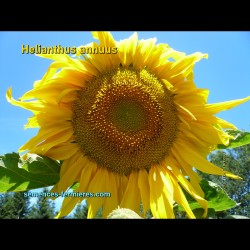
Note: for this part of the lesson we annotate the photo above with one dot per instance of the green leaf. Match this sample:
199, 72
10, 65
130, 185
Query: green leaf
36, 171
214, 194
241, 138
198, 212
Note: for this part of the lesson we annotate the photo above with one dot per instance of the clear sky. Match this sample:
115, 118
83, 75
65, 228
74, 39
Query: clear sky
226, 72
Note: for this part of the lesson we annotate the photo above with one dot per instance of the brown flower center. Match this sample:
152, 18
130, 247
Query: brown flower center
125, 120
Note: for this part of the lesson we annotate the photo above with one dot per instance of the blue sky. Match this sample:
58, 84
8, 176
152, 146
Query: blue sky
225, 73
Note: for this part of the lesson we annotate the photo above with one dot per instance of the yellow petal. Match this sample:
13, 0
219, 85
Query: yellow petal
218, 107
204, 117
87, 175
211, 109
165, 176
187, 96
100, 61
131, 198
63, 151
49, 74
159, 60
47, 92
190, 154
143, 52
181, 69
71, 173
67, 206
186, 111
144, 189
106, 40
106, 56
208, 133
168, 52
32, 106
184, 65
54, 115
98, 184
180, 198
160, 206
157, 57
184, 87
187, 169
127, 48
65, 92
224, 124
167, 83
41, 140
110, 203
122, 182
72, 77
54, 189
187, 135
64, 60
56, 140
32, 123
80, 69
68, 162
189, 188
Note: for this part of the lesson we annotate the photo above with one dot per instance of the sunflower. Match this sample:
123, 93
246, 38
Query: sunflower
132, 123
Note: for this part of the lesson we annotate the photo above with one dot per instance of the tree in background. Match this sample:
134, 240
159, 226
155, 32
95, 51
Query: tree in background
7, 210
14, 206
81, 212
22, 204
44, 207
237, 161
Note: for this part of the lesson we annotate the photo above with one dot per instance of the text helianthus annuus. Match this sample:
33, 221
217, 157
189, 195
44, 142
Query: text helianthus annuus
132, 123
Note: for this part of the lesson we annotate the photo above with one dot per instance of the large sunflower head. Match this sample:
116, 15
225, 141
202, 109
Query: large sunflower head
126, 119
